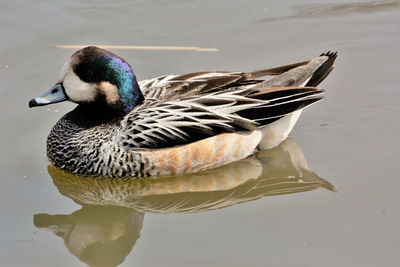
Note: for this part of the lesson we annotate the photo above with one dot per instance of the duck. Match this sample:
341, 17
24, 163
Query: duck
172, 124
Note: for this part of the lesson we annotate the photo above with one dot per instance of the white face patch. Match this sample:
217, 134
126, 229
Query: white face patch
76, 89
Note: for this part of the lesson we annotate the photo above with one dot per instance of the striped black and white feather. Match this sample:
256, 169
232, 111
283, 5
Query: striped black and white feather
179, 121
180, 109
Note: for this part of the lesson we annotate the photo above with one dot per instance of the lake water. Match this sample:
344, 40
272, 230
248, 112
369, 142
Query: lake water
328, 196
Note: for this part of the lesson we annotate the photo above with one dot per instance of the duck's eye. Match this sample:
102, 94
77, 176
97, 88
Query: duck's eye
55, 90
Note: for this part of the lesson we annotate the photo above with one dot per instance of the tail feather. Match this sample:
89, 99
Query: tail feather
284, 92
323, 71
296, 74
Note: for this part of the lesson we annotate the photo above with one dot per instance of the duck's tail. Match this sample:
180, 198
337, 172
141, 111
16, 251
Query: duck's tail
312, 71
292, 88
286, 96
323, 71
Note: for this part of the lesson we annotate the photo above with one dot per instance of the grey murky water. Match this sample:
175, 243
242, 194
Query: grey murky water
289, 213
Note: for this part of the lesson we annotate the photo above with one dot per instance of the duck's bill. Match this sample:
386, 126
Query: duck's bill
54, 95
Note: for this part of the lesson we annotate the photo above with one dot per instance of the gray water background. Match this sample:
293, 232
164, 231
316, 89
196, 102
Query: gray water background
351, 138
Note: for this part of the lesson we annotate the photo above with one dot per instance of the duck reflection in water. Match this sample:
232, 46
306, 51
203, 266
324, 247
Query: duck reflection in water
105, 229
97, 235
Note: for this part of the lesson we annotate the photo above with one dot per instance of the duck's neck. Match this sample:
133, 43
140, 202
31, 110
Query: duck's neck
130, 93
92, 114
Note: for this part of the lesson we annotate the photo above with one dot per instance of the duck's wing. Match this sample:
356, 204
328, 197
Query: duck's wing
171, 87
157, 125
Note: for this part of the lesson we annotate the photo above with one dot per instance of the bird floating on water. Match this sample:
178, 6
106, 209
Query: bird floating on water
172, 124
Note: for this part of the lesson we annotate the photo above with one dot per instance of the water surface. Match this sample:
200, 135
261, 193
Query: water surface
332, 203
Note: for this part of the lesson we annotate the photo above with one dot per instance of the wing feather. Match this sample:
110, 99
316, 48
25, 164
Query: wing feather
178, 122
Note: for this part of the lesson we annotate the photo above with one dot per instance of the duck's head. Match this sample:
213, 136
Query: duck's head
97, 78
